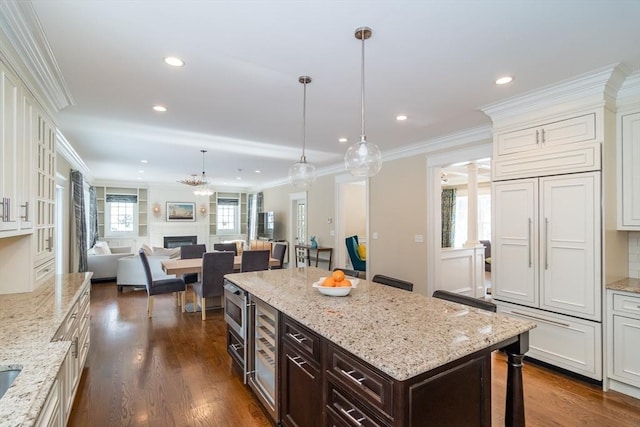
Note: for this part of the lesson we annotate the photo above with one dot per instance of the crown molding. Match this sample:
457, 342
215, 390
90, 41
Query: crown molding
629, 93
64, 149
596, 88
26, 49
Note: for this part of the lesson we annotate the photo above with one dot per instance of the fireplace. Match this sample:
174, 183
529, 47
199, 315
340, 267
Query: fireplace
177, 241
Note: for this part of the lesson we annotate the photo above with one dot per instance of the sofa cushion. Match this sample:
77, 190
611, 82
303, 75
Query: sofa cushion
101, 248
147, 249
171, 253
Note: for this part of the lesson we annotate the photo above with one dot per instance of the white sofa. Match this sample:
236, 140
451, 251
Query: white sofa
105, 267
131, 273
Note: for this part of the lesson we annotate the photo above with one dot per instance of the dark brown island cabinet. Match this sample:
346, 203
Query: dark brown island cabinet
318, 382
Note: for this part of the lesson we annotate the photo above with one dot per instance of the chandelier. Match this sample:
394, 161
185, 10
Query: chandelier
363, 158
303, 174
199, 181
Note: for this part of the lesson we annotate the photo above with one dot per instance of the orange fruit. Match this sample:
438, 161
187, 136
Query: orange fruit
338, 275
329, 282
343, 284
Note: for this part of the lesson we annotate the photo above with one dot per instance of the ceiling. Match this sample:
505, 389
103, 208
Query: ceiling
238, 95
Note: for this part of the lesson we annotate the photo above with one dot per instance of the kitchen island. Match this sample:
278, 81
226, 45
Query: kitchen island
408, 359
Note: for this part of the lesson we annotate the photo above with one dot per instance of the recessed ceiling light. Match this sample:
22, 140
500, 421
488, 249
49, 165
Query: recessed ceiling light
257, 171
401, 118
144, 161
342, 140
173, 61
504, 80
139, 177
140, 171
159, 108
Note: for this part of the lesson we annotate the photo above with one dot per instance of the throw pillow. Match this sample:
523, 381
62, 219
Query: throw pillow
362, 251
102, 248
171, 253
147, 249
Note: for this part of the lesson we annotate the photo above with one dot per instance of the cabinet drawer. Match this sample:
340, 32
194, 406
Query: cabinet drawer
44, 271
302, 338
367, 382
563, 341
344, 410
626, 304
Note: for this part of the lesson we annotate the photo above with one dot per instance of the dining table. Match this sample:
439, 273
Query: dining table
179, 266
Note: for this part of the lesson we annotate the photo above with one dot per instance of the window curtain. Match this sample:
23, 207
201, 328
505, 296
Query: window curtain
448, 217
78, 225
93, 217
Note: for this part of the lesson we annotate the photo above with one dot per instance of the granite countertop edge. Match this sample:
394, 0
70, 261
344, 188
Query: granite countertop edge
629, 284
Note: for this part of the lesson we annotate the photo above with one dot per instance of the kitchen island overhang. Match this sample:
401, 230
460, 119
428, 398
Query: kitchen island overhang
409, 338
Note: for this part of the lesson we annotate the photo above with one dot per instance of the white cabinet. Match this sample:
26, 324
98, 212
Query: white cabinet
563, 341
51, 415
564, 146
547, 243
629, 170
623, 342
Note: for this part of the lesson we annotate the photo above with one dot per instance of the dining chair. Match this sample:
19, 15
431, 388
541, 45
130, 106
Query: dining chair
391, 281
228, 247
347, 272
466, 300
162, 286
255, 260
214, 266
279, 250
191, 252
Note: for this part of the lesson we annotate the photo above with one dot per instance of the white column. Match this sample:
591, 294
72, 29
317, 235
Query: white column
472, 206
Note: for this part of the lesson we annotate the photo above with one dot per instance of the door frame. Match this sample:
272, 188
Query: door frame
294, 199
434, 209
339, 248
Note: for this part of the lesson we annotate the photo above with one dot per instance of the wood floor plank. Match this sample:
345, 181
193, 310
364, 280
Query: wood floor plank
174, 370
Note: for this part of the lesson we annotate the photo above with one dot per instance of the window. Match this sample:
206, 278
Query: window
120, 214
228, 216
484, 218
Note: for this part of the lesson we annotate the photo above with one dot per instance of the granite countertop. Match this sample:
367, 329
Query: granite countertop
29, 322
401, 333
626, 285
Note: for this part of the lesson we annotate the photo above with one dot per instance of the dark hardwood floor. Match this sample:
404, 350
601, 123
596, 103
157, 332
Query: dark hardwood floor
173, 370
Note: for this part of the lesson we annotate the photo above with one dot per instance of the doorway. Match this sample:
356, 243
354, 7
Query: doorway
351, 215
298, 223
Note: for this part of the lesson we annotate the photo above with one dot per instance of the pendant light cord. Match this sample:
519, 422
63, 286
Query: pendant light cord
362, 135
303, 159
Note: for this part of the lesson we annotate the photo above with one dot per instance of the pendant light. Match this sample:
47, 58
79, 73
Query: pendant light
363, 158
303, 174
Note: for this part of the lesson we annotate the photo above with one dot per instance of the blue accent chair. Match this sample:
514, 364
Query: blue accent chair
358, 263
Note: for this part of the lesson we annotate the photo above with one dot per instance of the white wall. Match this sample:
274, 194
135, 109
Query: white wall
634, 254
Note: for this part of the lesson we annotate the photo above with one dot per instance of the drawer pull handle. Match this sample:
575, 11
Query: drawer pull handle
236, 347
350, 375
299, 361
347, 413
566, 325
299, 338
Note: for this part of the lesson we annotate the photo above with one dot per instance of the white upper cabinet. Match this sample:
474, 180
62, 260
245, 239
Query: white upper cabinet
629, 170
568, 131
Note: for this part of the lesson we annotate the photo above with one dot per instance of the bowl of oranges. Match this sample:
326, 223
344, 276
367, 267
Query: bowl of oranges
335, 285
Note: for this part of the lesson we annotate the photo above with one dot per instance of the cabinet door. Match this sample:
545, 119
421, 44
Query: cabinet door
626, 342
577, 129
515, 225
301, 392
45, 187
570, 245
518, 141
630, 159
9, 124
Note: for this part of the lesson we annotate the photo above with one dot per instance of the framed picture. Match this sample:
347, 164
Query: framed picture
181, 211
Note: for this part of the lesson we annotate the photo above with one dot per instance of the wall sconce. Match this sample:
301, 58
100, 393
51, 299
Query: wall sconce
157, 210
203, 210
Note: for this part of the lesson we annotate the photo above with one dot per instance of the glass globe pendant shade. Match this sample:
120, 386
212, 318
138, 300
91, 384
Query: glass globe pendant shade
363, 159
302, 174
